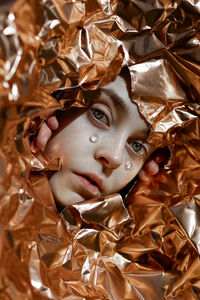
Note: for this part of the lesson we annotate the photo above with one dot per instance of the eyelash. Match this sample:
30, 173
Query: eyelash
103, 119
106, 122
141, 150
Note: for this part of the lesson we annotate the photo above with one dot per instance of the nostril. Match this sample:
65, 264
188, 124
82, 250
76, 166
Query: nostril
104, 160
109, 163
109, 156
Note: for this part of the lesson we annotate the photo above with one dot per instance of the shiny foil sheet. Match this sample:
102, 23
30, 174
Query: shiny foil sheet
100, 248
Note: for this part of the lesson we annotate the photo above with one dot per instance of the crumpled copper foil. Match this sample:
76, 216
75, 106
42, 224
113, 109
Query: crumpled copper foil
100, 249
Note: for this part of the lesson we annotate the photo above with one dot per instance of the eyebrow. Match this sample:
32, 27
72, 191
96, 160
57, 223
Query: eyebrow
116, 100
122, 106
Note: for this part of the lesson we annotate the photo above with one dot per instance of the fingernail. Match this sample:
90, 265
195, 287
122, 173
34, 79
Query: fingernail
33, 148
143, 176
159, 159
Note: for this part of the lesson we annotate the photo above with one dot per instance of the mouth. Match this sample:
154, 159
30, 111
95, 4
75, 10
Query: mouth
90, 182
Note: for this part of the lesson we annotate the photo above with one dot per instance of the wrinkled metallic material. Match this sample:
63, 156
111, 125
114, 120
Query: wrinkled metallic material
100, 249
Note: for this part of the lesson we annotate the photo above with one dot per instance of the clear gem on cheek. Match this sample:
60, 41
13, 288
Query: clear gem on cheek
128, 165
93, 139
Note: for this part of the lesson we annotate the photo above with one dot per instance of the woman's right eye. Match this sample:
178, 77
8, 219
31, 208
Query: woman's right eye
99, 115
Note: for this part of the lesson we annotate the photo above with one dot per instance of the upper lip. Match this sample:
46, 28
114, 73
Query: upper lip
93, 179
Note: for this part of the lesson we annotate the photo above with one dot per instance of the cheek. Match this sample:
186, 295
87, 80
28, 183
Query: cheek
65, 145
72, 145
57, 185
124, 176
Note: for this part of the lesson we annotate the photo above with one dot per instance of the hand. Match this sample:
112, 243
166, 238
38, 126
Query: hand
44, 134
151, 167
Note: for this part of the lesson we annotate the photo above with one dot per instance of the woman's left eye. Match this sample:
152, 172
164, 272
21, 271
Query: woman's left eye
99, 115
137, 147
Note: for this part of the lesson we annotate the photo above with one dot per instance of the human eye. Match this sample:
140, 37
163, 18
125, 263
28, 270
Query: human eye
137, 147
99, 115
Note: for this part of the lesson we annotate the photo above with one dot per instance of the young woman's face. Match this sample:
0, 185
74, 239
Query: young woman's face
98, 145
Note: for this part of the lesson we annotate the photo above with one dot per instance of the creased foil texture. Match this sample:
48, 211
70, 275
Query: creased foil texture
99, 249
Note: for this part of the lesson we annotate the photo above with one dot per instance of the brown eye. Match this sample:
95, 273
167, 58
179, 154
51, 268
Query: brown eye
136, 146
99, 115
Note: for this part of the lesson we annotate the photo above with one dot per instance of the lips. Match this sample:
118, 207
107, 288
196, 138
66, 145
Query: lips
90, 182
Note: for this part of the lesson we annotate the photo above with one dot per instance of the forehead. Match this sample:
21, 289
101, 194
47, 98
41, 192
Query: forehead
121, 88
118, 92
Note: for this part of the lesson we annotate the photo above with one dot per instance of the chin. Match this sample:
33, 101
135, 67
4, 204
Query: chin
69, 200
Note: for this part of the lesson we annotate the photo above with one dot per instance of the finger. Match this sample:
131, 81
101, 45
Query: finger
162, 178
43, 136
161, 155
34, 147
143, 175
151, 167
52, 122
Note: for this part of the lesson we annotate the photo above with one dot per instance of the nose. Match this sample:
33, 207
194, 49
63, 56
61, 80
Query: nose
110, 153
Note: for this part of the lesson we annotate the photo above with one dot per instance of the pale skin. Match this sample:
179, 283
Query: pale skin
121, 137
149, 169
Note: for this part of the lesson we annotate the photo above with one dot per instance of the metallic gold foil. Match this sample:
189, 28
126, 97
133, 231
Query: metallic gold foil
100, 249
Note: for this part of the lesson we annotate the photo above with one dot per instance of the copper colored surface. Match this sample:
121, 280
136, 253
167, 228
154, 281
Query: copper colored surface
99, 249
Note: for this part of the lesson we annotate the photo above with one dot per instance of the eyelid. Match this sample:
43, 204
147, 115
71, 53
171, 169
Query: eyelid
102, 101
144, 147
104, 109
102, 106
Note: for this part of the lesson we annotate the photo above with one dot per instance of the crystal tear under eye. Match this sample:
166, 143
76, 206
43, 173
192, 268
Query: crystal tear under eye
93, 139
128, 165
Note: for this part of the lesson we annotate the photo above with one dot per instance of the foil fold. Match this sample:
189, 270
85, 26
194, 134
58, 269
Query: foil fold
148, 247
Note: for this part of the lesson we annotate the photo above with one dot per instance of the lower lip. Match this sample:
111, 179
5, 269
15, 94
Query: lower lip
87, 185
